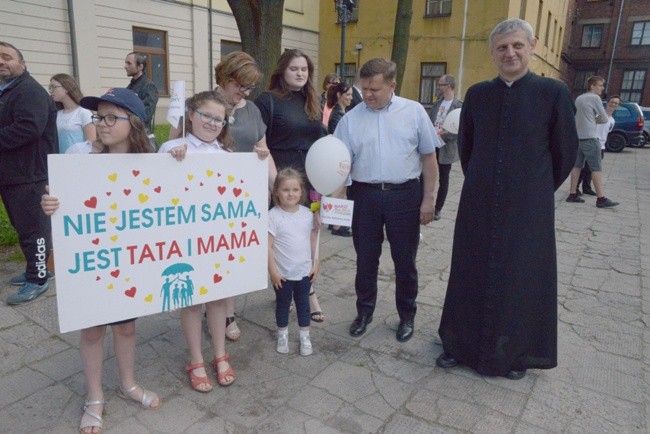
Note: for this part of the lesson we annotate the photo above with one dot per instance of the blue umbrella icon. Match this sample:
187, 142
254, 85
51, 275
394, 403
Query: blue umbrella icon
177, 269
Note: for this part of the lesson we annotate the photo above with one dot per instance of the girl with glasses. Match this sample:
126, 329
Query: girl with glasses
121, 129
207, 131
73, 122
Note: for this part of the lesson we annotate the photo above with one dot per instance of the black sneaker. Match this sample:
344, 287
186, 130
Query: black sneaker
574, 199
606, 203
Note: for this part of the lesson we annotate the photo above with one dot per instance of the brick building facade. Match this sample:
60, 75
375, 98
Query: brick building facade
610, 38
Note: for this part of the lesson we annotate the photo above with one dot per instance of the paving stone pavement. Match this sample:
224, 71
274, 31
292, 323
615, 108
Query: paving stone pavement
374, 383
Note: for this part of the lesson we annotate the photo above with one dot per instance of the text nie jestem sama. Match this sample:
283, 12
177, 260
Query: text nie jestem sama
164, 216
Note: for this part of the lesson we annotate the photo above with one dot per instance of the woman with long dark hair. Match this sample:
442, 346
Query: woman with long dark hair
292, 114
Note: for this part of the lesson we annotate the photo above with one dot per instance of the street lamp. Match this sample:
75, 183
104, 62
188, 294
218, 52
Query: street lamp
344, 9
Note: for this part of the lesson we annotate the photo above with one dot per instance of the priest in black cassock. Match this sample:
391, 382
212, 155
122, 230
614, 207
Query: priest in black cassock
517, 144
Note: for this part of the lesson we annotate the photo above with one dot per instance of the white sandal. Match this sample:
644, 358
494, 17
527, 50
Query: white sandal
147, 396
98, 422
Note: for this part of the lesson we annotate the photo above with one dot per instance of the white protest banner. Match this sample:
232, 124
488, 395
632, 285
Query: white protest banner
137, 234
176, 108
337, 212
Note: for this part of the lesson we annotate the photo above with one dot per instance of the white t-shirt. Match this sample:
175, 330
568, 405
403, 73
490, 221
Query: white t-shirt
70, 127
443, 109
80, 148
194, 145
292, 245
603, 130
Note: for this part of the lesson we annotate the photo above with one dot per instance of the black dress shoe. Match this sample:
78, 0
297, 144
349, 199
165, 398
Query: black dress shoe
359, 325
516, 375
405, 330
446, 361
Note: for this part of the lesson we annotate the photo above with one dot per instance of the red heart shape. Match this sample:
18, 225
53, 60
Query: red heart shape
186, 188
95, 241
91, 203
157, 189
221, 190
130, 292
115, 273
243, 224
200, 184
97, 278
236, 191
217, 278
135, 172
108, 193
218, 174
241, 181
127, 191
231, 257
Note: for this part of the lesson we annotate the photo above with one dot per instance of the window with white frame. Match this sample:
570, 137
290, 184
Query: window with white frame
632, 85
641, 33
592, 36
429, 75
437, 8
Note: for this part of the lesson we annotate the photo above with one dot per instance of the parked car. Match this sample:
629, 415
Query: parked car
646, 124
628, 130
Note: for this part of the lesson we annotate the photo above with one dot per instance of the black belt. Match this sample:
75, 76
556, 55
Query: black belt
388, 186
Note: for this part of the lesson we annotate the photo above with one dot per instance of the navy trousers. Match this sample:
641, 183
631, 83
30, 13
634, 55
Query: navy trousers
398, 211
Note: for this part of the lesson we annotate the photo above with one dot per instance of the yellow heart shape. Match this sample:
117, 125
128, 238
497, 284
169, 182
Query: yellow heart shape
110, 286
242, 259
127, 279
113, 206
146, 181
190, 177
203, 290
231, 224
112, 177
246, 195
149, 298
209, 173
217, 266
228, 272
231, 178
114, 238
112, 220
175, 201
143, 197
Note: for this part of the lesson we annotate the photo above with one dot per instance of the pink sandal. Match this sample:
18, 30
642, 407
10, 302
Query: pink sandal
221, 376
197, 381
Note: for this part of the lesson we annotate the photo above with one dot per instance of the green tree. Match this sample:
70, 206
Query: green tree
401, 37
260, 29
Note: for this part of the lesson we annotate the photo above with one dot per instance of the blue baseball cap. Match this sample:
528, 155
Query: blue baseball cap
121, 97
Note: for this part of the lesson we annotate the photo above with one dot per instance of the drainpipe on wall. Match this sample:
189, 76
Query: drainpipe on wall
211, 83
611, 60
73, 41
462, 52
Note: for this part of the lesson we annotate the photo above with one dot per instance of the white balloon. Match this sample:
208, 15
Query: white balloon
452, 121
327, 164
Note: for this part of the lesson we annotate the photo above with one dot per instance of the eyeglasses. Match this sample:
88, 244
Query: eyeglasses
443, 84
244, 89
109, 120
51, 87
208, 119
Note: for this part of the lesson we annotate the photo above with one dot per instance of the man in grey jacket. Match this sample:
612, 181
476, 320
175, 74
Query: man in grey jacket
448, 154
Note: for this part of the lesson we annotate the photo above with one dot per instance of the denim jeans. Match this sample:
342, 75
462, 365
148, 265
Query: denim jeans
300, 291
